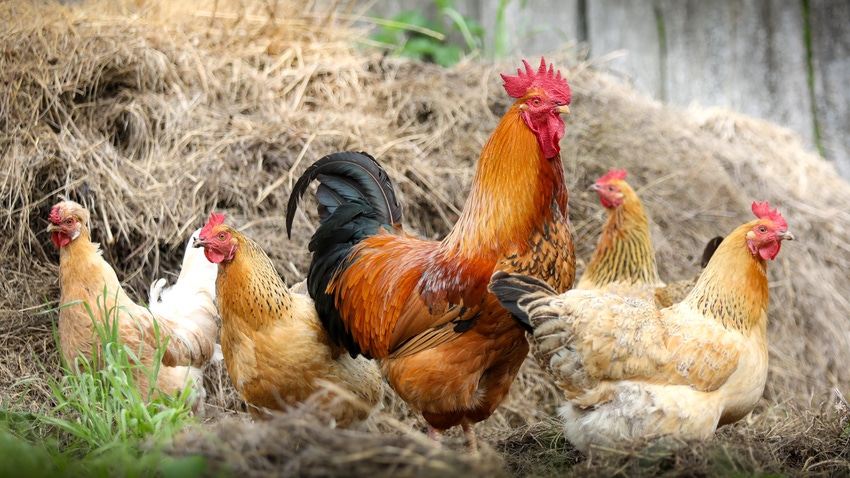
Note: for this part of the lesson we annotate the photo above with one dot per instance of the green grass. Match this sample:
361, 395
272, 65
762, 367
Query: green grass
98, 422
810, 77
412, 34
416, 35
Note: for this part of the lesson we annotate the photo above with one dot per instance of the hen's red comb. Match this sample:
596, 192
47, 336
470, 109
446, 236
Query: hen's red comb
550, 81
55, 216
613, 174
762, 211
215, 220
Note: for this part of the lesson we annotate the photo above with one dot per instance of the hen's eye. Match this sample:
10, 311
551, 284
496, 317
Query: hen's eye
221, 236
536, 101
70, 220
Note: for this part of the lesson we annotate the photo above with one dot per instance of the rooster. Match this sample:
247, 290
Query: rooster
624, 260
421, 307
632, 372
275, 349
86, 279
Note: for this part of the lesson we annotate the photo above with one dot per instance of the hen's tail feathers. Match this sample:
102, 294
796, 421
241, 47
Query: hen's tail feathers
189, 305
519, 294
347, 178
356, 199
710, 247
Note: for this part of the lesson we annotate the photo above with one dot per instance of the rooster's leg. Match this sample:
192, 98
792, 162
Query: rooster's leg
471, 439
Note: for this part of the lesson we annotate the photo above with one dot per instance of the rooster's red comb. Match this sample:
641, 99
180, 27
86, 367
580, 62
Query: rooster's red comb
613, 174
762, 211
214, 220
549, 80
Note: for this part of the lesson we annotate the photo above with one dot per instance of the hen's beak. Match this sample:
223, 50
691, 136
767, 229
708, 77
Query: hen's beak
51, 227
785, 236
563, 109
593, 187
199, 242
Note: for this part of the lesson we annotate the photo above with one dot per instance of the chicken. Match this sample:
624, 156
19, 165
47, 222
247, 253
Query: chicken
421, 307
192, 295
86, 279
632, 372
624, 260
275, 349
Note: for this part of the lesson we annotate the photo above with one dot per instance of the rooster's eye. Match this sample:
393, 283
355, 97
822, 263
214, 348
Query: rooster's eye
762, 229
221, 236
536, 101
70, 220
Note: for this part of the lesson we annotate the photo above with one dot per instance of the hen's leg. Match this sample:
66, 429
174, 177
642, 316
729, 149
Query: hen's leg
434, 434
471, 439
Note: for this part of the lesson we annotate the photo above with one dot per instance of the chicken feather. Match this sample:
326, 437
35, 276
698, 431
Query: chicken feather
192, 297
623, 262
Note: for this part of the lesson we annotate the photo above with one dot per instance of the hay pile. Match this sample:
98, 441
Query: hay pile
154, 115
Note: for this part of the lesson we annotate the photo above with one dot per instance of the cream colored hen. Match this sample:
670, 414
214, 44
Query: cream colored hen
85, 278
630, 371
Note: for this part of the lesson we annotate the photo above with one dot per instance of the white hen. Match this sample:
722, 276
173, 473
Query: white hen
191, 298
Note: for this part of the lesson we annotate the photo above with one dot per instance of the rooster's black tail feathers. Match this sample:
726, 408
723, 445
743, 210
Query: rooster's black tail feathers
348, 178
356, 199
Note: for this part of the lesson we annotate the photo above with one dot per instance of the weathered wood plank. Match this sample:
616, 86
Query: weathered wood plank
830, 30
746, 56
629, 28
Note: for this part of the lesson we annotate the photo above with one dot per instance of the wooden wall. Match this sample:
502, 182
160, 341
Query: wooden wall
787, 61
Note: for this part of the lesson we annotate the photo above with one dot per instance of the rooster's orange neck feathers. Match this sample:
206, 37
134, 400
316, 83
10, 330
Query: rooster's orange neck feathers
515, 190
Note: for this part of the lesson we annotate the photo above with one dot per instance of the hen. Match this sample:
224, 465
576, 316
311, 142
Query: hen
85, 278
192, 295
624, 260
275, 349
421, 307
630, 371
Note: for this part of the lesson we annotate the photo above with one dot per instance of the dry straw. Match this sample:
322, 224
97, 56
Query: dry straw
153, 114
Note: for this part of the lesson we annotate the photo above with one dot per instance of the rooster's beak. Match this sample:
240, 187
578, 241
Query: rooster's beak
593, 187
198, 242
51, 228
785, 236
563, 109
